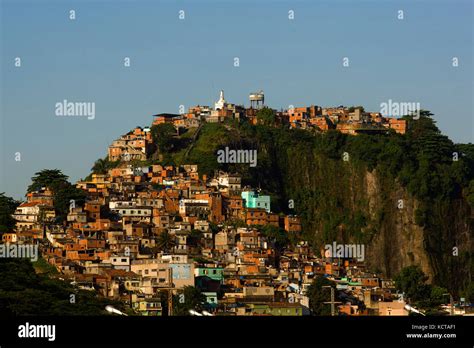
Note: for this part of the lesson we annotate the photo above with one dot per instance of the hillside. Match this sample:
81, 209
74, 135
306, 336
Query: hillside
409, 197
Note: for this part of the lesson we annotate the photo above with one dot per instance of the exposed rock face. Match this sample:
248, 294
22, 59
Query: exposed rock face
336, 191
399, 241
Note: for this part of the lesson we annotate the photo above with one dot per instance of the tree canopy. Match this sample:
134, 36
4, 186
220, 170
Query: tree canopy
63, 190
23, 292
318, 294
188, 298
7, 208
266, 116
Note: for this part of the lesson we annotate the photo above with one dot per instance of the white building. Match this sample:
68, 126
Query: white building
221, 103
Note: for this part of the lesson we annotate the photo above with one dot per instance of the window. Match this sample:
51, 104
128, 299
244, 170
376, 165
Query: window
146, 271
123, 260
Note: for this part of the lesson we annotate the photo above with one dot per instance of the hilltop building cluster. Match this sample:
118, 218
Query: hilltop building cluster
353, 120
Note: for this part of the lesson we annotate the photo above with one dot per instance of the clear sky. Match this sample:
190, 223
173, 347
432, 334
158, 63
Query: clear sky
173, 62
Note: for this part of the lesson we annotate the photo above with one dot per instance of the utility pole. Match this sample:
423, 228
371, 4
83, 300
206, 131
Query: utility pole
332, 302
170, 303
451, 303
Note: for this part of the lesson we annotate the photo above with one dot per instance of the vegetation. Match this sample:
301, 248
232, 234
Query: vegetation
188, 298
102, 165
163, 136
277, 236
7, 208
41, 266
23, 292
266, 116
412, 282
318, 294
165, 241
63, 190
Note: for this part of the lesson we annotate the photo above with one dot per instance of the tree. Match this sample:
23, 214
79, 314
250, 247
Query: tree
63, 194
163, 135
189, 298
7, 208
276, 235
318, 296
101, 166
411, 280
165, 241
266, 116
47, 178
468, 293
194, 237
353, 108
437, 296
23, 292
63, 190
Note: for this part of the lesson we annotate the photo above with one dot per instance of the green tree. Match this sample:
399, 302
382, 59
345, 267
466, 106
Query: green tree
7, 208
63, 190
353, 108
412, 281
47, 178
438, 296
266, 116
25, 293
468, 293
101, 166
194, 237
318, 296
163, 135
276, 235
63, 194
165, 241
189, 298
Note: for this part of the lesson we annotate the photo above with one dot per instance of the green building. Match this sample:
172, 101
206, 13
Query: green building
215, 273
253, 200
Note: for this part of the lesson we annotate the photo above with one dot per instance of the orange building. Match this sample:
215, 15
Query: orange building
400, 126
292, 223
256, 216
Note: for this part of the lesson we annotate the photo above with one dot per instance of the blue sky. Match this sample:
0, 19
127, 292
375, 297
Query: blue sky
173, 62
